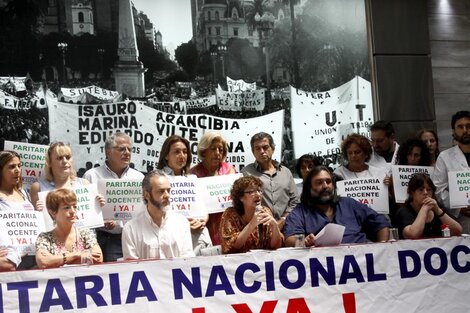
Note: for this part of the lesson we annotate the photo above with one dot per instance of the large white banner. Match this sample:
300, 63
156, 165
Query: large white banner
404, 276
321, 120
86, 127
369, 191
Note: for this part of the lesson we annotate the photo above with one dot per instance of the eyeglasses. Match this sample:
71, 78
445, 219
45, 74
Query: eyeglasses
253, 192
123, 149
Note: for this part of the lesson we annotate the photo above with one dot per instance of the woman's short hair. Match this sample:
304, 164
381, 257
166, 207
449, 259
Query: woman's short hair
238, 190
417, 181
5, 157
61, 149
57, 197
169, 141
361, 141
206, 141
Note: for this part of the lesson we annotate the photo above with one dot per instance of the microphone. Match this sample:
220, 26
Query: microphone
260, 226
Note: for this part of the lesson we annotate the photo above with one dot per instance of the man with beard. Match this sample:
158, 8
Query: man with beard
382, 136
454, 159
319, 206
157, 231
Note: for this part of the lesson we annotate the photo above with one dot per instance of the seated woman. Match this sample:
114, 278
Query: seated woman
247, 225
65, 244
421, 217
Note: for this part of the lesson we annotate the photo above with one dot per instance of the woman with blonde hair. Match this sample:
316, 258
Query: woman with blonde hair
212, 150
58, 172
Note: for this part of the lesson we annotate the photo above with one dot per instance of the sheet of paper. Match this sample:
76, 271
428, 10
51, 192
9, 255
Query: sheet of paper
330, 235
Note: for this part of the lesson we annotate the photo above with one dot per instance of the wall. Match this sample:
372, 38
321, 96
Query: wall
449, 32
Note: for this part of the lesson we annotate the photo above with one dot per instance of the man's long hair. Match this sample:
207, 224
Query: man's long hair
306, 197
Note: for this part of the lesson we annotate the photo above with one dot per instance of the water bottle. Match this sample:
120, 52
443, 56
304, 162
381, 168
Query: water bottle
445, 230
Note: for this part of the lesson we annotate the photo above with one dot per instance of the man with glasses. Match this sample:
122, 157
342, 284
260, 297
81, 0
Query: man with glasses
118, 150
455, 159
385, 147
320, 206
280, 192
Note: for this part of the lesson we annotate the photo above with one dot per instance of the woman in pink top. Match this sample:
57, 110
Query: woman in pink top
212, 150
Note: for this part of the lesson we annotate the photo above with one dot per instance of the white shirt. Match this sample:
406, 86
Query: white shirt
372, 171
379, 161
95, 174
12, 253
449, 160
142, 238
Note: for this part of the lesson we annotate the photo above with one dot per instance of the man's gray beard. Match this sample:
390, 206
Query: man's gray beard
326, 197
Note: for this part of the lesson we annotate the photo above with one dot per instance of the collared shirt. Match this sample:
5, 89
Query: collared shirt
355, 216
142, 238
279, 190
95, 174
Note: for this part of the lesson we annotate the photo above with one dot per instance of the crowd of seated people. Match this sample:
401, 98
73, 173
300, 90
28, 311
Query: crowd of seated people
268, 212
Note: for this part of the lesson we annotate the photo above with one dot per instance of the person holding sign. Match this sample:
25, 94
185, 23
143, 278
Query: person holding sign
357, 151
320, 206
248, 225
157, 232
455, 159
118, 150
280, 192
431, 140
65, 244
422, 217
175, 160
59, 173
212, 150
12, 195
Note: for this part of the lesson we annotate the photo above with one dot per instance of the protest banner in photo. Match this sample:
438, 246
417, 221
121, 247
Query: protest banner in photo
185, 198
427, 275
22, 227
215, 191
401, 175
11, 102
239, 85
200, 103
123, 198
86, 128
88, 210
168, 107
32, 160
251, 100
370, 191
321, 120
95, 91
459, 189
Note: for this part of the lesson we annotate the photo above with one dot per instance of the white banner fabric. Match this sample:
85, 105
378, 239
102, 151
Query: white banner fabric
404, 276
401, 176
321, 120
239, 85
86, 127
241, 101
459, 189
98, 92
369, 191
